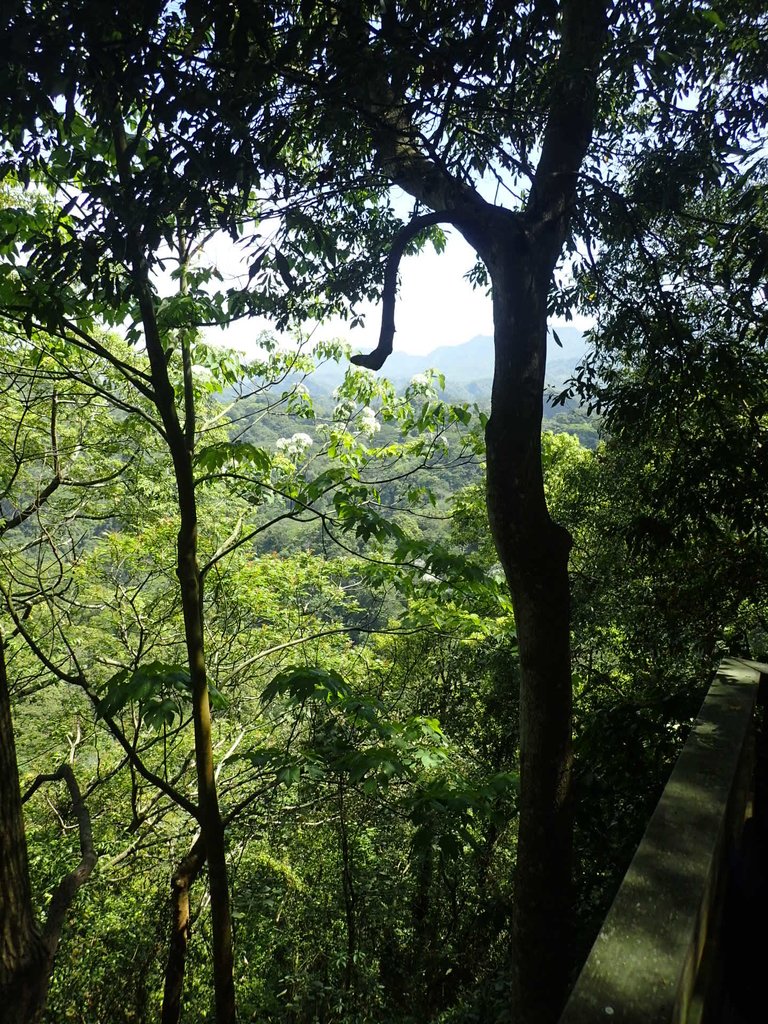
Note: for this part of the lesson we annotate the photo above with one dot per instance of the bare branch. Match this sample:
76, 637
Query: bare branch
67, 888
376, 359
78, 679
29, 510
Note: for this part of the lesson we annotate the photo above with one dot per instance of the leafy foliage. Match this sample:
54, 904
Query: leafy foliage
360, 643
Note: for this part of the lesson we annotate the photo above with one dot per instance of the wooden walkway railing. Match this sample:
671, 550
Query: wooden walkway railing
658, 957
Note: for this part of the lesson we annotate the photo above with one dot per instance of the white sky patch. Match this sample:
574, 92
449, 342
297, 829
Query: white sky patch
436, 304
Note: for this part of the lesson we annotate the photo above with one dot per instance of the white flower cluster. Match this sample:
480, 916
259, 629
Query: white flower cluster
343, 409
369, 425
421, 384
294, 446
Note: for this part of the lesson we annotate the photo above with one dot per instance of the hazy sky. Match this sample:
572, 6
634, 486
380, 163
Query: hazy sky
436, 305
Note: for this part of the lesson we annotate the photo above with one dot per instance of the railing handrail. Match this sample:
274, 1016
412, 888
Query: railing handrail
648, 963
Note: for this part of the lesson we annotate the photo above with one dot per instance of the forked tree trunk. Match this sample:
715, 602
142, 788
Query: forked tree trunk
520, 250
181, 883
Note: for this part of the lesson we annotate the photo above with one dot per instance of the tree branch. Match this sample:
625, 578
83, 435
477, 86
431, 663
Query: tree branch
67, 888
77, 679
376, 359
23, 514
570, 122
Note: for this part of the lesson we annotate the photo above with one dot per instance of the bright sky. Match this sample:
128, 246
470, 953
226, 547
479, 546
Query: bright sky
436, 305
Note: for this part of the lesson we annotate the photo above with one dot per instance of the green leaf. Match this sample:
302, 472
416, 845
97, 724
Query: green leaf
160, 690
162, 713
213, 458
713, 18
289, 774
301, 683
383, 762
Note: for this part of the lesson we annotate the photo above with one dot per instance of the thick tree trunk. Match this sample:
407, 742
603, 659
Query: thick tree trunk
534, 553
25, 961
181, 883
542, 924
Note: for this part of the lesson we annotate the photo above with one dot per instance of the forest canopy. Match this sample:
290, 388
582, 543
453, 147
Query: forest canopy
354, 709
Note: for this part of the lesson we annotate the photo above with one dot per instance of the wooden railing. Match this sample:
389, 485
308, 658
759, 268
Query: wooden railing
658, 958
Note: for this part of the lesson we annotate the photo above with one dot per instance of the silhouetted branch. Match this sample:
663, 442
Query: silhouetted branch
376, 359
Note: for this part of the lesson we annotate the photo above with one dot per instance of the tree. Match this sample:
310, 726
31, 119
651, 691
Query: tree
102, 602
116, 153
539, 101
62, 458
173, 122
519, 250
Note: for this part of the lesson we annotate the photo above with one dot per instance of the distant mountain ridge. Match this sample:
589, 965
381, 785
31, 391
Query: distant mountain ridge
470, 364
468, 371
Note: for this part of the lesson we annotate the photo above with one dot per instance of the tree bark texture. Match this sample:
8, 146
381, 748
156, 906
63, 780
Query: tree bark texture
534, 553
181, 883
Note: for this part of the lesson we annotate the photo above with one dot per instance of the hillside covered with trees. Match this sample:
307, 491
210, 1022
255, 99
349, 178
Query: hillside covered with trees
328, 698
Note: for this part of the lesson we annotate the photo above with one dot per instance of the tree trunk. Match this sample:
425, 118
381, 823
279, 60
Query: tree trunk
25, 961
181, 882
348, 891
520, 249
180, 439
180, 442
210, 814
181, 445
534, 553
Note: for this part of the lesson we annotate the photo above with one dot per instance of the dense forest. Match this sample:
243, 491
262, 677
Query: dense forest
326, 706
